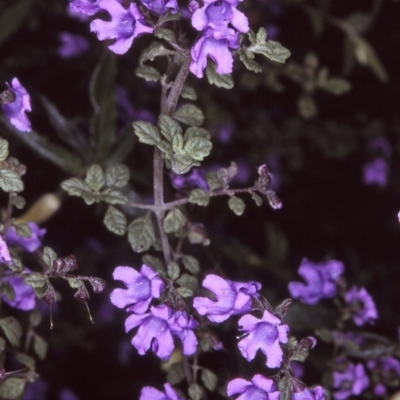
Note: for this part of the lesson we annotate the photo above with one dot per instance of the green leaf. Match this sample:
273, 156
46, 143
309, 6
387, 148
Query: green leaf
173, 270
117, 176
165, 33
189, 114
12, 329
336, 86
285, 389
249, 63
146, 132
237, 205
78, 187
188, 281
23, 230
25, 360
156, 49
168, 127
174, 221
95, 177
197, 147
209, 379
153, 262
148, 73
11, 388
40, 347
175, 374
12, 17
188, 93
113, 196
199, 197
220, 80
3, 149
170, 16
257, 199
166, 148
19, 202
7, 290
185, 291
49, 256
141, 234
115, 221
196, 392
213, 181
35, 279
182, 163
191, 264
10, 181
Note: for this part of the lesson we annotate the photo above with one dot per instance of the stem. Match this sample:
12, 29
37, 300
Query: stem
7, 222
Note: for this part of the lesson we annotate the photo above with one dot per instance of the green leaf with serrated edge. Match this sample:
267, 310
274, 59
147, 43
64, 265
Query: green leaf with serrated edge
146, 132
191, 264
7, 290
16, 265
156, 49
209, 379
12, 329
95, 177
182, 164
189, 114
214, 78
25, 360
11, 388
49, 256
199, 197
165, 33
188, 281
213, 181
113, 196
23, 230
19, 202
78, 187
35, 279
248, 62
173, 270
185, 291
3, 149
198, 148
175, 374
237, 205
166, 148
168, 127
196, 392
148, 73
12, 17
153, 262
177, 143
188, 93
103, 99
141, 234
115, 221
117, 176
40, 347
174, 221
10, 181
257, 199
170, 16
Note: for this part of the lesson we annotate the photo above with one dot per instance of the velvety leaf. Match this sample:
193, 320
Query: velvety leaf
3, 149
174, 221
40, 347
270, 49
166, 148
146, 132
188, 93
237, 205
213, 181
249, 63
198, 148
78, 187
141, 234
175, 374
199, 197
196, 392
185, 291
25, 360
168, 127
189, 114
117, 176
209, 379
177, 143
188, 281
336, 86
153, 262
173, 270
49, 256
19, 202
7, 290
257, 199
182, 164
10, 181
165, 33
23, 230
156, 49
191, 264
12, 329
169, 16
214, 78
113, 196
35, 279
115, 221
12, 388
95, 177
148, 73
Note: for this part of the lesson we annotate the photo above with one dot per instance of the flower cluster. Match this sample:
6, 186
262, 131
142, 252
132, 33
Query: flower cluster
353, 380
362, 306
220, 23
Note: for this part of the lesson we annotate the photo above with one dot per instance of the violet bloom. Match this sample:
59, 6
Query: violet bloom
387, 370
232, 298
4, 253
30, 244
362, 305
381, 145
321, 281
72, 45
15, 110
318, 393
160, 7
260, 388
376, 173
183, 330
24, 299
141, 288
353, 380
149, 393
87, 7
263, 334
194, 179
125, 25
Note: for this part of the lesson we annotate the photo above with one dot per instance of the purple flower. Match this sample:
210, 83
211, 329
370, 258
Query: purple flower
67, 394
15, 110
149, 393
381, 144
24, 299
193, 6
156, 330
321, 281
183, 330
125, 25
87, 7
4, 253
232, 298
362, 306
141, 288
30, 244
36, 390
72, 45
376, 172
353, 380
194, 179
260, 388
318, 393
263, 334
160, 7
386, 370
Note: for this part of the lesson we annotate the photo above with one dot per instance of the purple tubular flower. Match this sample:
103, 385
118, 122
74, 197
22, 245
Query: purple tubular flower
318, 393
31, 244
260, 388
125, 25
141, 288
263, 334
376, 173
321, 281
353, 380
232, 298
15, 110
87, 7
194, 179
72, 45
386, 370
4, 253
24, 299
149, 393
183, 330
364, 310
160, 7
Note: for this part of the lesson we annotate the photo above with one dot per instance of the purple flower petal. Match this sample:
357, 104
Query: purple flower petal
30, 244
260, 388
364, 309
72, 45
351, 381
87, 7
149, 393
24, 299
4, 253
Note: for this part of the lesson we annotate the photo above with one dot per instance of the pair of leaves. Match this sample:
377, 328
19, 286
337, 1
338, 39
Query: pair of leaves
10, 181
